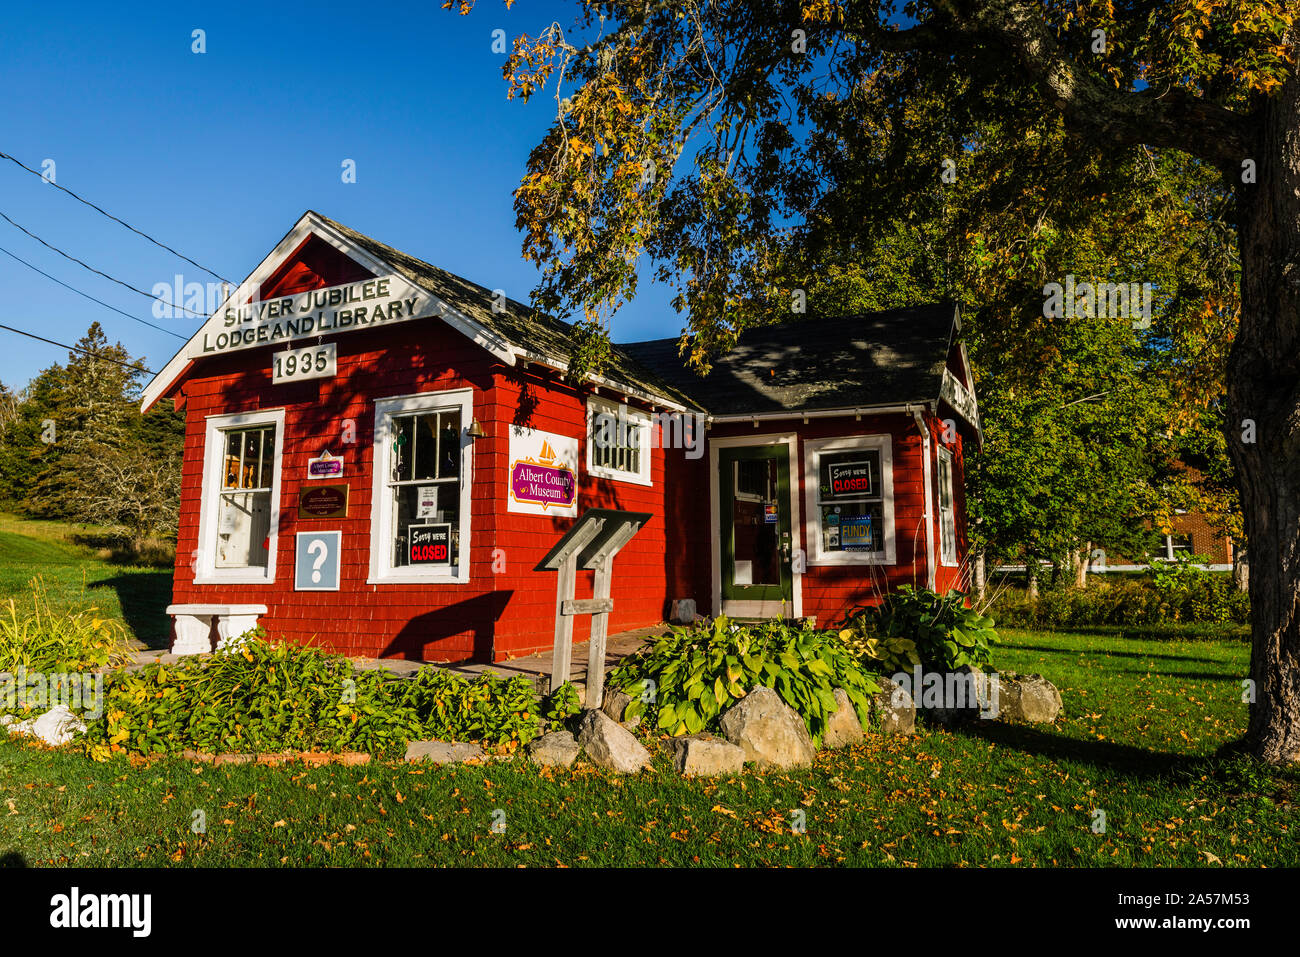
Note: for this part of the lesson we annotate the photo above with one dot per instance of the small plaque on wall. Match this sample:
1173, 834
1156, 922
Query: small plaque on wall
323, 501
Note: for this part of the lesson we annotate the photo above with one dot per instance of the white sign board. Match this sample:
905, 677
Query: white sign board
312, 362
303, 315
426, 501
543, 474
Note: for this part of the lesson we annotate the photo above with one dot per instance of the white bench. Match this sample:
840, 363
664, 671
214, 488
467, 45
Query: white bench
195, 624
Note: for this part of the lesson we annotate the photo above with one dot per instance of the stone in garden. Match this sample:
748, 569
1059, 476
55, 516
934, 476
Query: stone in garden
1029, 698
770, 732
353, 758
892, 708
189, 754
610, 745
705, 755
58, 726
615, 706
315, 758
555, 749
843, 727
443, 752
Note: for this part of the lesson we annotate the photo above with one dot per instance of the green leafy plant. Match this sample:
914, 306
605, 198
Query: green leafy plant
39, 638
688, 678
268, 697
919, 626
559, 706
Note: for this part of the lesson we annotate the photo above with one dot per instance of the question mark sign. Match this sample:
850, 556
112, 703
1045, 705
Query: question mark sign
317, 545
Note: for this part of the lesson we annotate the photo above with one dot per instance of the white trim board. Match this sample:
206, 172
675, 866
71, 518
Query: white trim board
205, 570
381, 570
884, 444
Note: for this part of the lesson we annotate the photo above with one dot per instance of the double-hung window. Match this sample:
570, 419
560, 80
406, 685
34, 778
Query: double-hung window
849, 495
239, 510
618, 442
947, 511
420, 513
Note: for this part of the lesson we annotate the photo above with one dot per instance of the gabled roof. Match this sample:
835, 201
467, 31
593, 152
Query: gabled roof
512, 331
875, 359
533, 333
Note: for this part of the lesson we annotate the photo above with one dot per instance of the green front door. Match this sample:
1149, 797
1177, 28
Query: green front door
754, 507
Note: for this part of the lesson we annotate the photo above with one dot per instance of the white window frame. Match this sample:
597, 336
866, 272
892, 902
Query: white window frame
206, 571
596, 406
812, 450
382, 571
945, 455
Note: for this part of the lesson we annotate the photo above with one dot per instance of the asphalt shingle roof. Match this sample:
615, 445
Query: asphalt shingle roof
518, 323
879, 358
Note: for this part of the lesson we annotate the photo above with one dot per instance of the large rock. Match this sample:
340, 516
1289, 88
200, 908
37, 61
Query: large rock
843, 727
56, 727
892, 709
615, 705
555, 749
610, 745
443, 752
704, 755
770, 732
1029, 698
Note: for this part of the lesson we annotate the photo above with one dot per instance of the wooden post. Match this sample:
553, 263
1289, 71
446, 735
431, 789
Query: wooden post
599, 632
562, 652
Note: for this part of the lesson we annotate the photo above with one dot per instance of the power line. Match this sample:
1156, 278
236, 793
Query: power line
88, 352
112, 217
88, 296
97, 272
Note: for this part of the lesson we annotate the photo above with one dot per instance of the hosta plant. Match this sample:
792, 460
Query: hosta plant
919, 626
685, 681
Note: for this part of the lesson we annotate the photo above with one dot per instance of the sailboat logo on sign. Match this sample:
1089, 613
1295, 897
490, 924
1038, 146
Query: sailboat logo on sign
545, 480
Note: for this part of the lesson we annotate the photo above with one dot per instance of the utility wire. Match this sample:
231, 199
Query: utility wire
97, 272
112, 217
95, 355
88, 296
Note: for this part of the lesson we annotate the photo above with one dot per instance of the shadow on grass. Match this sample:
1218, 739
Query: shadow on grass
1193, 675
1075, 652
144, 597
1169, 631
1133, 761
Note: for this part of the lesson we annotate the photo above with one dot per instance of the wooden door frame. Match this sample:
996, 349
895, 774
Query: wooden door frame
791, 441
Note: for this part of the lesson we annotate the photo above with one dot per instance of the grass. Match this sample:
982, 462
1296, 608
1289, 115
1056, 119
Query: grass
77, 575
1144, 722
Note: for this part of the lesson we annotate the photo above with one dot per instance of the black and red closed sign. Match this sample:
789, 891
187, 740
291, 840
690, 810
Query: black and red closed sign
429, 544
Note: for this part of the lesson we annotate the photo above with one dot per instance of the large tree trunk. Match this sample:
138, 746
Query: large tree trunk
1264, 391
980, 576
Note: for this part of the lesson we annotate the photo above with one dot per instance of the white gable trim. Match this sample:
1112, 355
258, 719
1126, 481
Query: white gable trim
308, 224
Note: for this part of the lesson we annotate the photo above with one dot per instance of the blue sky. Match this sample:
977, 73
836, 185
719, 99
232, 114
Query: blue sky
218, 154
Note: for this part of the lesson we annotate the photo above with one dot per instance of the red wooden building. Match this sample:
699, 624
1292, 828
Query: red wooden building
378, 453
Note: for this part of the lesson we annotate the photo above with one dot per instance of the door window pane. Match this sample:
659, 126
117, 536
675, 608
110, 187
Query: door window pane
754, 523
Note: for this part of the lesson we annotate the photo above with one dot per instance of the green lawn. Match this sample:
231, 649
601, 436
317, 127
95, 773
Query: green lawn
1143, 721
76, 574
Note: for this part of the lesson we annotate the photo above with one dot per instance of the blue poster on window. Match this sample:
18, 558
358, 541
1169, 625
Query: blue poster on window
856, 534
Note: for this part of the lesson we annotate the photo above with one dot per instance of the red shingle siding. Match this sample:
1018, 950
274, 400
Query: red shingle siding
501, 615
